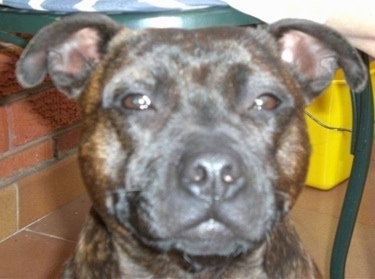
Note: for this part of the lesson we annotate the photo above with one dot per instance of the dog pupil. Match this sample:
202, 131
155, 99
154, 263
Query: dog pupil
266, 102
137, 102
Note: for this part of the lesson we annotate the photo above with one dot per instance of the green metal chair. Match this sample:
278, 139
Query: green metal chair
14, 21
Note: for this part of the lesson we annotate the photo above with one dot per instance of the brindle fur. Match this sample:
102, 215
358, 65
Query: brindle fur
202, 85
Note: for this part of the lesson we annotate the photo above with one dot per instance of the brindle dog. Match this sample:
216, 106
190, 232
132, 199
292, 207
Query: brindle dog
194, 143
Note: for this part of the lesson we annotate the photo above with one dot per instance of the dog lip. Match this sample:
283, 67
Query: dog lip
209, 237
208, 229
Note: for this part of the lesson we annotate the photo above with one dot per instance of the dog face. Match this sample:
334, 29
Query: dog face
193, 141
200, 127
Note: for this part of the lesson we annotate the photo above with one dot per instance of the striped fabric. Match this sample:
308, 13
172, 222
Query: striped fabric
110, 5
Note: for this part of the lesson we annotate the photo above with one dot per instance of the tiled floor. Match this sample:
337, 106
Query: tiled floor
40, 249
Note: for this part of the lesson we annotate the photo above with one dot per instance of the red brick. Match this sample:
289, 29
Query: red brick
67, 141
27, 158
4, 130
8, 58
41, 114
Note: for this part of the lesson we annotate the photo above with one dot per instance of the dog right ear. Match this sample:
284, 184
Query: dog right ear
68, 50
314, 51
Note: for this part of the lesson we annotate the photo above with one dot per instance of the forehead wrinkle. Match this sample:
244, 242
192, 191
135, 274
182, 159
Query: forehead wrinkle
195, 65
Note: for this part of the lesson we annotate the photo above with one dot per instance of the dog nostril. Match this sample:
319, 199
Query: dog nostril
227, 175
227, 178
199, 174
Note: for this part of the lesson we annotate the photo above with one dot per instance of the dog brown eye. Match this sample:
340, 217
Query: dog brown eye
136, 102
266, 101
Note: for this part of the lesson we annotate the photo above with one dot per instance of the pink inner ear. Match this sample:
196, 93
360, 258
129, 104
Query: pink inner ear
299, 50
88, 40
288, 44
308, 56
79, 49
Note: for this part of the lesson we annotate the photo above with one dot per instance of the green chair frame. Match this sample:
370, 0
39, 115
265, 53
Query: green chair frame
14, 21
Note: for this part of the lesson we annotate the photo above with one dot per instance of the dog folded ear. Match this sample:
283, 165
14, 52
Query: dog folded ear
68, 50
314, 51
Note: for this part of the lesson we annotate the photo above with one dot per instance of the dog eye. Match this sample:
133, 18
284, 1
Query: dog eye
137, 102
266, 101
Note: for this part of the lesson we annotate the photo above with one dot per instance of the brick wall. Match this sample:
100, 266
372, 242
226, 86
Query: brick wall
39, 128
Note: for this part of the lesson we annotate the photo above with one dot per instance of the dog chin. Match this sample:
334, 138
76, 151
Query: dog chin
209, 238
212, 247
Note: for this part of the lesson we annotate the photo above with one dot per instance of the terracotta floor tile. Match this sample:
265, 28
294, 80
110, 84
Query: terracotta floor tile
29, 255
330, 202
66, 222
325, 202
43, 192
366, 213
8, 211
361, 258
317, 232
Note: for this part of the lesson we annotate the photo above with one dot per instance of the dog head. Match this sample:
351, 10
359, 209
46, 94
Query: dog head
193, 141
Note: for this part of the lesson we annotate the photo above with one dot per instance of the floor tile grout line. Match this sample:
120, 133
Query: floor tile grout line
49, 235
11, 235
20, 230
17, 207
333, 216
317, 212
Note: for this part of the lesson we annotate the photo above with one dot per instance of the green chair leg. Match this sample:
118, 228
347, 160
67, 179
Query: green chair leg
6, 37
362, 138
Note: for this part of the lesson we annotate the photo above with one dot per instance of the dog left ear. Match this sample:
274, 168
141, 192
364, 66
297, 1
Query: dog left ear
314, 51
68, 50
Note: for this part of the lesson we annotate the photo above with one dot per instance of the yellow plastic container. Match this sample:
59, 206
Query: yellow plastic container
329, 123
331, 161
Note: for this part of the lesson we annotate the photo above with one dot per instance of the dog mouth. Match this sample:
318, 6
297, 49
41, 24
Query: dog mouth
192, 226
208, 202
208, 229
209, 237
197, 228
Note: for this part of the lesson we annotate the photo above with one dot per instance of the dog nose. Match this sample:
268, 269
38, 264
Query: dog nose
212, 176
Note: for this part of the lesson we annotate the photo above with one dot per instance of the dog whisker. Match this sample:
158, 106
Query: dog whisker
268, 237
133, 189
282, 194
